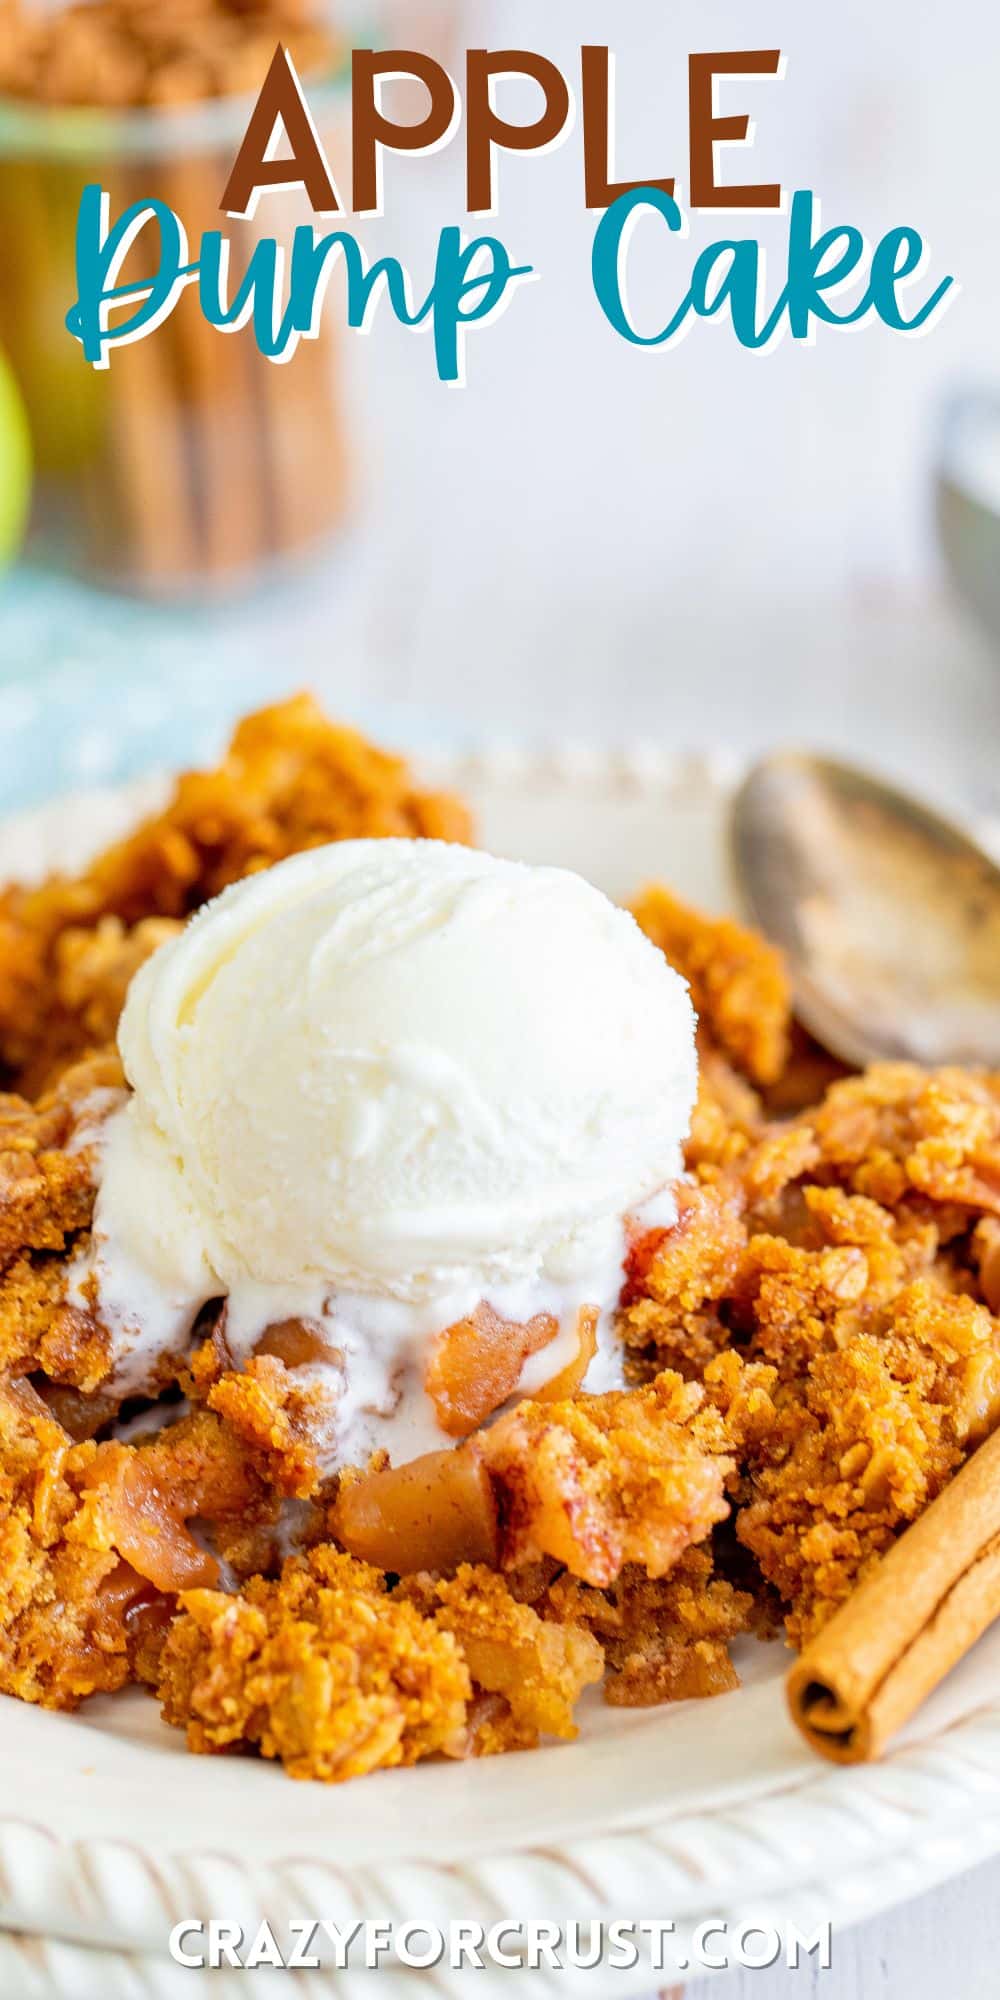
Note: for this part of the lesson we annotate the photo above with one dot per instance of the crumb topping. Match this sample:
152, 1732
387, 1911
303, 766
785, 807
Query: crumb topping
812, 1351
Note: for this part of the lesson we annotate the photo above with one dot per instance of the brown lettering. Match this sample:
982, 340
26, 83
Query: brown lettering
371, 127
706, 128
280, 101
601, 191
487, 129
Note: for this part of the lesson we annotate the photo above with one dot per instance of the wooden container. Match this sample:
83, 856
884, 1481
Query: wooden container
191, 462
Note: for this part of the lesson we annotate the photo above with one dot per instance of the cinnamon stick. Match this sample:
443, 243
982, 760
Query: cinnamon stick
214, 399
932, 1596
148, 465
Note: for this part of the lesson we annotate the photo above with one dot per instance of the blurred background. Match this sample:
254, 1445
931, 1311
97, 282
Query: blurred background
700, 547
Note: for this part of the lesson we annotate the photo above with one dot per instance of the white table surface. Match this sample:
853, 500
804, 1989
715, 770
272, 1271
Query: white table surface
906, 685
538, 556
945, 1946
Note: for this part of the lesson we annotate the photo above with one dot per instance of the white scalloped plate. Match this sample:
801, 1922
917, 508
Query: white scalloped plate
110, 1832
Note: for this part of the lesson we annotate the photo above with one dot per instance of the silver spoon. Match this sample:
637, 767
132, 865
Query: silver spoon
888, 915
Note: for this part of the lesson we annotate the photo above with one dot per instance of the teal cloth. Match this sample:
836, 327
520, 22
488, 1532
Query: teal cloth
95, 688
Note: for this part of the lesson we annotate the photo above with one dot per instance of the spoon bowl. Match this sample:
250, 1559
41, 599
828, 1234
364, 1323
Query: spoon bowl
888, 914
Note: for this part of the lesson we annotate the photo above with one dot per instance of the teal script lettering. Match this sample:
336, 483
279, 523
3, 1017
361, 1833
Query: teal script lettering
473, 282
727, 276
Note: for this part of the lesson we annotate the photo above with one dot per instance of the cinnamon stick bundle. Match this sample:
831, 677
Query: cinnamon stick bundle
931, 1597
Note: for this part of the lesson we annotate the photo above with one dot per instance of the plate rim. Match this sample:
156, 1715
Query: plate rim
113, 1898
117, 1899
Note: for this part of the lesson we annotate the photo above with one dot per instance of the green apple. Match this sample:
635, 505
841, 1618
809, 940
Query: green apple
15, 465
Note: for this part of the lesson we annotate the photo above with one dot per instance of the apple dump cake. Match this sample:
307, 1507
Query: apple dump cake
410, 1315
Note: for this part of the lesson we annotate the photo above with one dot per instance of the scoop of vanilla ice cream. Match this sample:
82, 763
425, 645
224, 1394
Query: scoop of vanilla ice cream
396, 1067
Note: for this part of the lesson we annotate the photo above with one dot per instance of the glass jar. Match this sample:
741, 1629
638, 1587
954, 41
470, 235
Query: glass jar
190, 462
